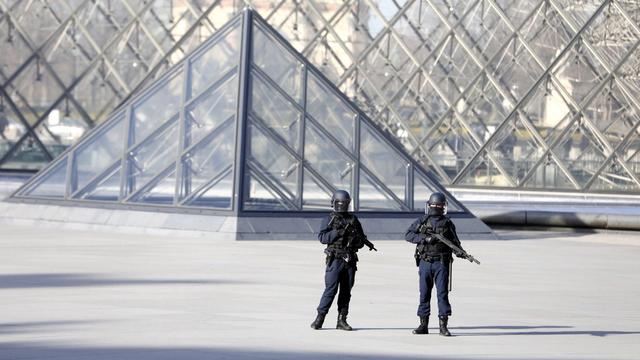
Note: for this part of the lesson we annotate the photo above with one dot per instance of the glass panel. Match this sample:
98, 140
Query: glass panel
330, 111
106, 190
326, 159
210, 110
27, 156
274, 166
614, 178
260, 197
162, 192
275, 112
154, 110
152, 157
383, 160
98, 153
11, 129
313, 196
373, 197
208, 161
218, 194
53, 184
219, 58
277, 62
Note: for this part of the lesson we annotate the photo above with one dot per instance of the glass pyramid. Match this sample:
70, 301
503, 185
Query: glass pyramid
243, 124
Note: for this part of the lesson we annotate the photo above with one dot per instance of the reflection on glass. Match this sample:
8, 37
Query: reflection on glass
53, 184
107, 189
100, 152
210, 162
273, 166
161, 193
217, 60
152, 157
210, 110
373, 197
330, 111
278, 63
327, 160
384, 161
157, 108
275, 112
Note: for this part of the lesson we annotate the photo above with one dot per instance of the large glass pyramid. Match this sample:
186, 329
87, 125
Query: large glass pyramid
243, 124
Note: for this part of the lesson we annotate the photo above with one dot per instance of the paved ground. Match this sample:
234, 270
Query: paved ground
537, 295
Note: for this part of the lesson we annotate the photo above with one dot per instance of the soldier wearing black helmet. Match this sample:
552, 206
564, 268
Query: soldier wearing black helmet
343, 234
433, 259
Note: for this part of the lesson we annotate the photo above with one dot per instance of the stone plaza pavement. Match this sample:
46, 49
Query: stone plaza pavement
537, 295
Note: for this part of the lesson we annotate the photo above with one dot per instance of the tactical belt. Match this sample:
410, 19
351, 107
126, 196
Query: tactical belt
434, 258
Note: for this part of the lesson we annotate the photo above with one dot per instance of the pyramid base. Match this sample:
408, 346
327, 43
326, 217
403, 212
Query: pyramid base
259, 226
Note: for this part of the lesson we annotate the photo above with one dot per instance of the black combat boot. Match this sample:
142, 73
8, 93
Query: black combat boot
424, 326
317, 323
443, 326
342, 323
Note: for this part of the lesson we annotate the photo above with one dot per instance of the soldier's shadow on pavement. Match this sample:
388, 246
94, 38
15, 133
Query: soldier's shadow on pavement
512, 330
531, 330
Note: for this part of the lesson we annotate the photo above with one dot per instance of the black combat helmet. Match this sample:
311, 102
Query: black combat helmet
340, 201
437, 204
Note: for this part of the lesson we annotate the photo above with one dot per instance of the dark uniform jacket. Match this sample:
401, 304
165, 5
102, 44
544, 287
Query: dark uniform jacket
342, 233
431, 246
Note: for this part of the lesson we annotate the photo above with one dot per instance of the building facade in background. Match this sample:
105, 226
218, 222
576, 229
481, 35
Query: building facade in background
491, 93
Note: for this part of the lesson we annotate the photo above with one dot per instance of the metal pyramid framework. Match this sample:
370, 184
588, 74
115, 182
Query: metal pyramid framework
243, 124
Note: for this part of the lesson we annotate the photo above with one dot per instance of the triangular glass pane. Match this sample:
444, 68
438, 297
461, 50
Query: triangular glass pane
330, 111
384, 161
278, 63
208, 111
261, 197
276, 112
314, 197
153, 110
273, 165
325, 157
161, 193
372, 196
52, 184
99, 152
217, 194
208, 160
216, 60
152, 157
107, 189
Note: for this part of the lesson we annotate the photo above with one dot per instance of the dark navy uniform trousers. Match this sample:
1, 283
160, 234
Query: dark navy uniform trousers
338, 276
434, 273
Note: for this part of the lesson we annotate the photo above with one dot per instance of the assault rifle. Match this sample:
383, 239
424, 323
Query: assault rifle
350, 228
456, 249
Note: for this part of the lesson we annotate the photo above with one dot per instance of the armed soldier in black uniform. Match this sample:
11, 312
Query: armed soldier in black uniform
436, 239
343, 234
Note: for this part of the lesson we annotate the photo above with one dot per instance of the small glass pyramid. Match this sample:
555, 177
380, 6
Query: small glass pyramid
243, 124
